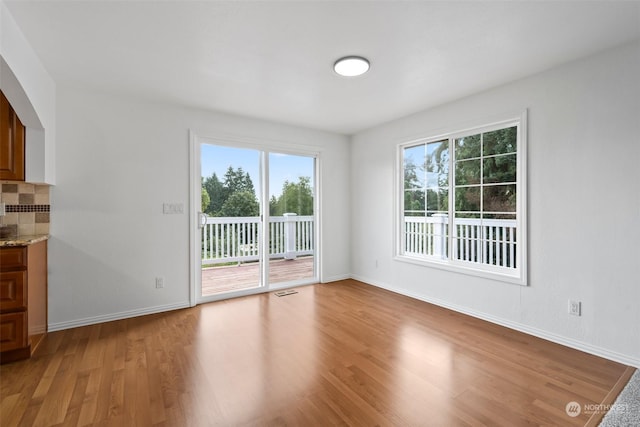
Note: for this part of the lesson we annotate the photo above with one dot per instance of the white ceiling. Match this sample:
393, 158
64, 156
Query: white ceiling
273, 60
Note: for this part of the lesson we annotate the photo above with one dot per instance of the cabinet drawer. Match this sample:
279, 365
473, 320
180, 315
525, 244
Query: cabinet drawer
13, 295
13, 258
13, 331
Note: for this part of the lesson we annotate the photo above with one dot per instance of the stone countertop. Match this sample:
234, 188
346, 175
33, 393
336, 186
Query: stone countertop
22, 240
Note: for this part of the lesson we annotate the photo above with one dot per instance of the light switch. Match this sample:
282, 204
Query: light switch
173, 208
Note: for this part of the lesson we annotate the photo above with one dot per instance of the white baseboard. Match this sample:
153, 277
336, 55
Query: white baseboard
59, 326
549, 336
336, 278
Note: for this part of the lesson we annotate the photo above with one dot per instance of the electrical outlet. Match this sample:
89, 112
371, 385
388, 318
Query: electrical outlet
159, 282
575, 308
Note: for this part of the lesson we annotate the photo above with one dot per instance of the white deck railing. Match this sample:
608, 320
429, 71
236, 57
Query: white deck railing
486, 241
235, 239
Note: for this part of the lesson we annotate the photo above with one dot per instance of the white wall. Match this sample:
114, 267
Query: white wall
584, 206
31, 92
118, 160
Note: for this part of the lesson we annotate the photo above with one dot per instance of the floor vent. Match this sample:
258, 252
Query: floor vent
285, 293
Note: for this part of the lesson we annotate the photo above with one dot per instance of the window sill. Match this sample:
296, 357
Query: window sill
517, 278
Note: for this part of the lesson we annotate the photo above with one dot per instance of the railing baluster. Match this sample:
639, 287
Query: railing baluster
478, 242
463, 247
208, 243
497, 246
209, 240
485, 252
307, 236
272, 237
466, 243
300, 235
472, 242
204, 241
504, 247
492, 242
512, 247
413, 236
210, 231
218, 247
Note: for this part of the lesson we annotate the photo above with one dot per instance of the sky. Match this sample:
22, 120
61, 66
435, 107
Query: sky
216, 158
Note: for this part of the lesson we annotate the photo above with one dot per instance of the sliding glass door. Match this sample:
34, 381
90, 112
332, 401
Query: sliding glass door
291, 218
230, 228
256, 227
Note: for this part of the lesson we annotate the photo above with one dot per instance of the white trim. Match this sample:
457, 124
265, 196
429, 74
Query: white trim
255, 291
59, 326
459, 267
522, 233
263, 256
337, 278
195, 251
520, 327
317, 211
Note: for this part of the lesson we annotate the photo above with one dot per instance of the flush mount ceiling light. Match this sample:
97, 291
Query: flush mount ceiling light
351, 66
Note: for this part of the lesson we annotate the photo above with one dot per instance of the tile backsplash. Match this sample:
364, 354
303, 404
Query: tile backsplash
27, 208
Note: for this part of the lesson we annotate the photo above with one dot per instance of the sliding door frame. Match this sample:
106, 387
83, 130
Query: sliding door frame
265, 147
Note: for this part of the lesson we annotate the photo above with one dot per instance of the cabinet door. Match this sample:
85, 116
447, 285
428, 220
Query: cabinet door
13, 258
13, 291
11, 143
13, 331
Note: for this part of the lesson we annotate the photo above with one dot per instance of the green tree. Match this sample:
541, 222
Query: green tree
410, 175
242, 203
205, 200
488, 158
413, 191
296, 197
216, 192
273, 206
235, 181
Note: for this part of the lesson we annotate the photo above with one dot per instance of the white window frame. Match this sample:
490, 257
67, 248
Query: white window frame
517, 275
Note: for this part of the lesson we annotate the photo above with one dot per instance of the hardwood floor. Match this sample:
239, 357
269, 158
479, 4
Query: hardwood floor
336, 354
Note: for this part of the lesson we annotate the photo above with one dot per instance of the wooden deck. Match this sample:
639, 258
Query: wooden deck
216, 280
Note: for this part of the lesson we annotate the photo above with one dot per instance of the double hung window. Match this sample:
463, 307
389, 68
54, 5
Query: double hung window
462, 203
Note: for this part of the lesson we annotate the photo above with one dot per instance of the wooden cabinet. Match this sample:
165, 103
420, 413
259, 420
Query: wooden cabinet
12, 143
23, 300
